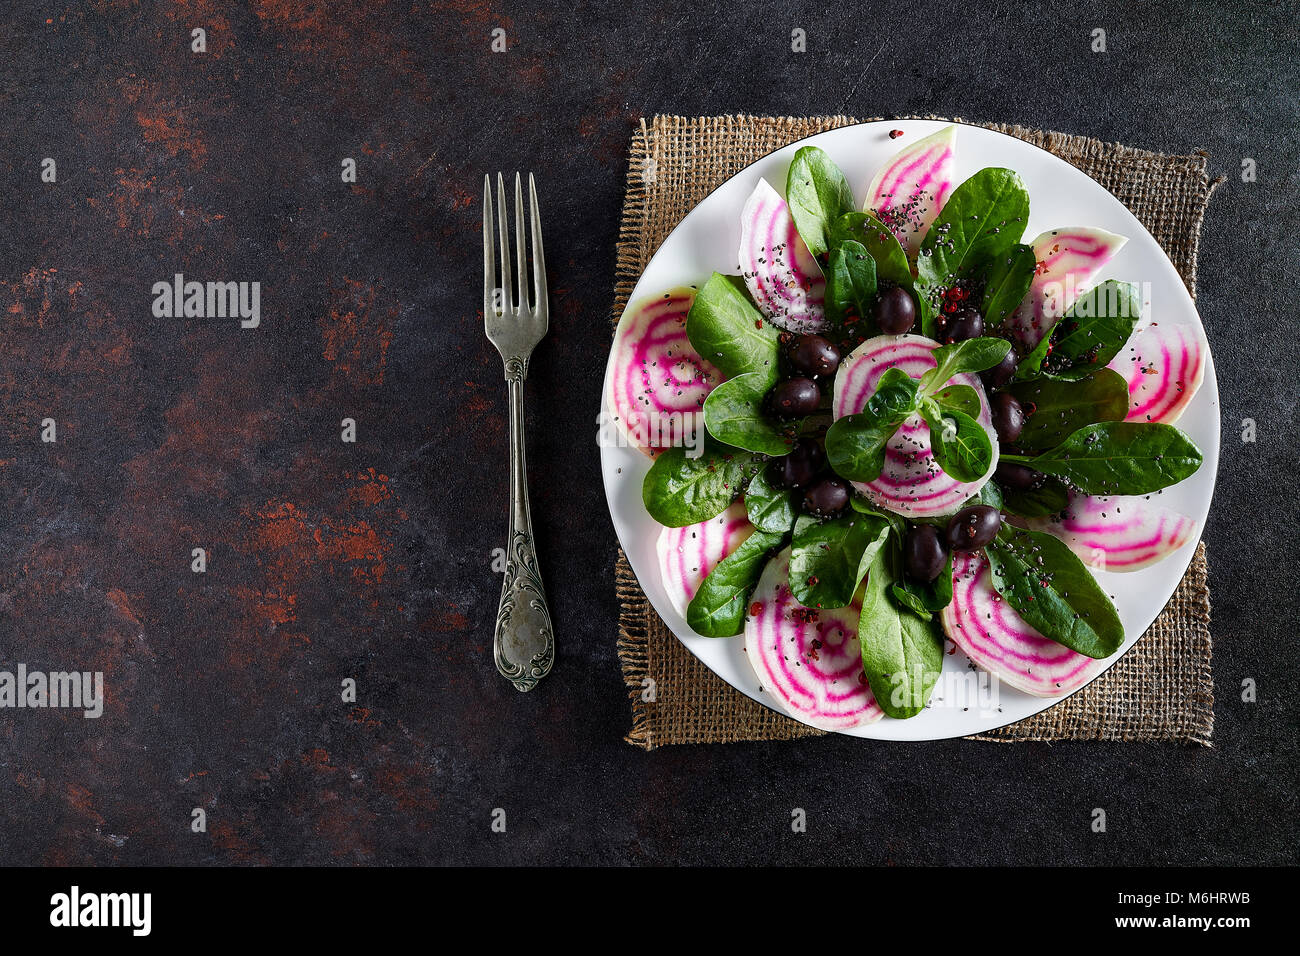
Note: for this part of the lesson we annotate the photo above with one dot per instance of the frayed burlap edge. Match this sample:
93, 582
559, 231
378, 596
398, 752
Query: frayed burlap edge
678, 700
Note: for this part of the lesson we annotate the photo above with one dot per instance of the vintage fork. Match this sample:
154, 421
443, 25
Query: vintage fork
524, 642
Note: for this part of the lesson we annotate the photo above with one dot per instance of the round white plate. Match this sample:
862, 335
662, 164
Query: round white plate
1060, 195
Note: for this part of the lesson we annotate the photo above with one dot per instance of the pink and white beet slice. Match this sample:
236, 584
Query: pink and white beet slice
911, 482
1164, 365
658, 382
1119, 533
781, 274
911, 188
1068, 261
688, 555
808, 660
997, 639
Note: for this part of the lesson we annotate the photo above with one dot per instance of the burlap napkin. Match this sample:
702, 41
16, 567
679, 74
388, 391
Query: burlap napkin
1160, 690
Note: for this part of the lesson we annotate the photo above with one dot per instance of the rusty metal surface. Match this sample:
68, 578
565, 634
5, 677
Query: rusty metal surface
372, 560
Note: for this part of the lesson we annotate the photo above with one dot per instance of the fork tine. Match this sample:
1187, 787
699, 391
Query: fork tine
489, 268
506, 284
521, 253
539, 259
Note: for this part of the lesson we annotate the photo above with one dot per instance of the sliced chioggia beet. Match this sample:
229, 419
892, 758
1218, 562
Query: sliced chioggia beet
1120, 533
1068, 261
911, 482
911, 188
781, 274
658, 382
997, 639
807, 660
1164, 365
687, 555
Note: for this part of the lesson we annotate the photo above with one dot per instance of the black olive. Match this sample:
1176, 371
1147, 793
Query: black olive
803, 463
826, 498
813, 355
1001, 373
972, 528
794, 398
924, 552
966, 324
1008, 417
895, 312
1017, 477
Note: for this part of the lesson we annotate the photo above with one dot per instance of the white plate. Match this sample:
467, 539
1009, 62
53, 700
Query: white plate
1060, 195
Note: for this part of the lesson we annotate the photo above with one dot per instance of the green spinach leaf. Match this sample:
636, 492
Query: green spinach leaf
679, 490
879, 241
825, 557
960, 445
718, 608
902, 654
769, 508
1058, 408
983, 218
727, 329
970, 355
850, 282
818, 195
1094, 329
1119, 458
1007, 283
855, 444
1051, 589
733, 414
925, 598
1048, 497
961, 398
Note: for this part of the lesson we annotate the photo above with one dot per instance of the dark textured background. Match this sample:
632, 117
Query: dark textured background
372, 560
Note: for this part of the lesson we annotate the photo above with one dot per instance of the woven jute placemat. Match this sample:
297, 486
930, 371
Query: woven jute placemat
1161, 690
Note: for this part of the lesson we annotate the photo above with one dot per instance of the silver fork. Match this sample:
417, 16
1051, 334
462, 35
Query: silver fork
524, 642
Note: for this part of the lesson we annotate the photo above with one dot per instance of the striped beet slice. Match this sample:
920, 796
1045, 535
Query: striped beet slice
781, 274
911, 483
658, 381
687, 555
1068, 261
808, 659
1164, 365
997, 639
911, 188
1120, 533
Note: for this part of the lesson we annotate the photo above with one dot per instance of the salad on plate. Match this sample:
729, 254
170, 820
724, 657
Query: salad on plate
899, 422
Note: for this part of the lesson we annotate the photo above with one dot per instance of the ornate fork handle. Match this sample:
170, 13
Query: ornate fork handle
524, 641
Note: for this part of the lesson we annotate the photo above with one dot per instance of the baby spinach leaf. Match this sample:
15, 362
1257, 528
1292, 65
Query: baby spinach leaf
925, 598
902, 654
679, 490
961, 398
879, 241
718, 608
983, 218
1051, 589
769, 508
733, 414
989, 494
1048, 497
960, 445
969, 355
850, 282
1119, 458
818, 194
825, 557
1057, 408
1095, 328
855, 444
1007, 283
727, 330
